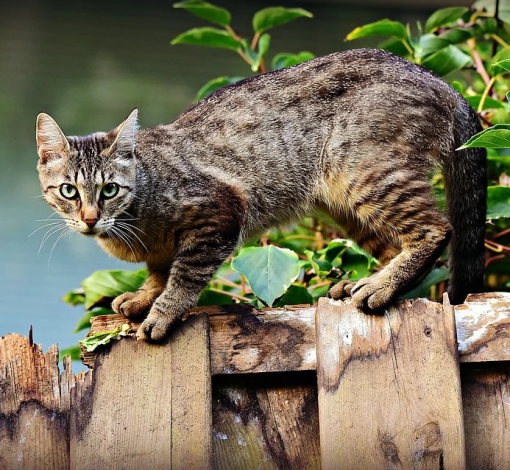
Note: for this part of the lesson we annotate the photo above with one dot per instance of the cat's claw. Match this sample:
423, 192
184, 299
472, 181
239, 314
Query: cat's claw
372, 294
133, 305
341, 290
155, 327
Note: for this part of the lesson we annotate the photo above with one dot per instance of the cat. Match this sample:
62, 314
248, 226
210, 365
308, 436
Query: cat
357, 133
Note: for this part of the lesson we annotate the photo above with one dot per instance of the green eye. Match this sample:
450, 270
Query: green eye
68, 191
109, 190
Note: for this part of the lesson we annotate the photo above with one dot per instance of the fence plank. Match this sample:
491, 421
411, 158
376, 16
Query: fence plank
266, 422
483, 327
34, 425
151, 399
486, 401
389, 388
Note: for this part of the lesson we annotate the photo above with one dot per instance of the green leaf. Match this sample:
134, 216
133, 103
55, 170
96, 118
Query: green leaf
498, 202
321, 267
84, 321
457, 35
444, 17
285, 59
489, 6
206, 11
104, 337
215, 84
432, 278
295, 295
396, 46
263, 47
495, 137
210, 37
489, 103
74, 352
430, 43
104, 285
447, 60
379, 28
270, 270
209, 297
75, 297
277, 16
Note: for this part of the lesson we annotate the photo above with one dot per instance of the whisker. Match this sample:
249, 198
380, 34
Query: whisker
46, 225
63, 234
123, 237
48, 234
129, 229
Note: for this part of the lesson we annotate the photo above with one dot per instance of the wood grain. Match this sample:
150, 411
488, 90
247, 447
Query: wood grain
486, 400
389, 388
34, 406
245, 339
153, 401
483, 327
268, 421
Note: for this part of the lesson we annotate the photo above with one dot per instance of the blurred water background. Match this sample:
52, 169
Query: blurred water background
88, 64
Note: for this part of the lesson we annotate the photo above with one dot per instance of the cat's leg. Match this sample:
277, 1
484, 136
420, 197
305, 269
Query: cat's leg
194, 265
422, 238
136, 305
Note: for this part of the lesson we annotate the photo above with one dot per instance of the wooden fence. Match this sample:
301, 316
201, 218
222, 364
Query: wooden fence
425, 386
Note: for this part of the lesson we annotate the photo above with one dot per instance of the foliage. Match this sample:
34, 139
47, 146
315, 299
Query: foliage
467, 47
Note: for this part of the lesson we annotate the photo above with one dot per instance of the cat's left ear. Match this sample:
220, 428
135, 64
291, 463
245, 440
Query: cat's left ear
125, 136
52, 144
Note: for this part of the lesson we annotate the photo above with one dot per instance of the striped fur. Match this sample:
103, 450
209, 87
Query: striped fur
357, 134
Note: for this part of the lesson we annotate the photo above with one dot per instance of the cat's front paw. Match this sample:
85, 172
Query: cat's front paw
373, 293
155, 327
341, 290
134, 305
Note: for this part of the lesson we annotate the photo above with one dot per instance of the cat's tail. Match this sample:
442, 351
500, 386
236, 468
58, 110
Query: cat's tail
466, 193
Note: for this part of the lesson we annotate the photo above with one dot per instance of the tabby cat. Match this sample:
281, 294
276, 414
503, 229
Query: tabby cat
357, 134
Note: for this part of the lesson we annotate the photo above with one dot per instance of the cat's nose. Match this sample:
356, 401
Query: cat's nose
90, 222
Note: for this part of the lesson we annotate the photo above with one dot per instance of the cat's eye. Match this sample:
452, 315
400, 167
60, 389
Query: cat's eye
109, 190
68, 191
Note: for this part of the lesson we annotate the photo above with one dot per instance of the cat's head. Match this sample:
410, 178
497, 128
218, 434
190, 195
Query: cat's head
88, 180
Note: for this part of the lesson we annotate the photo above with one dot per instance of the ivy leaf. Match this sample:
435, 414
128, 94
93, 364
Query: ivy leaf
501, 62
447, 60
210, 37
104, 285
422, 289
104, 337
84, 321
379, 28
74, 352
498, 202
270, 270
495, 137
206, 11
277, 16
285, 59
263, 47
75, 297
215, 84
295, 295
444, 17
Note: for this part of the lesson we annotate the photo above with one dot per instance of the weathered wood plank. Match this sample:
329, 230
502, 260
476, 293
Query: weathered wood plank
483, 327
143, 394
486, 401
247, 340
34, 406
266, 422
389, 388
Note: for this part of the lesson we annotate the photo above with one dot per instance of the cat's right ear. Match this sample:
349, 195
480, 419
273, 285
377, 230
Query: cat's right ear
52, 144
